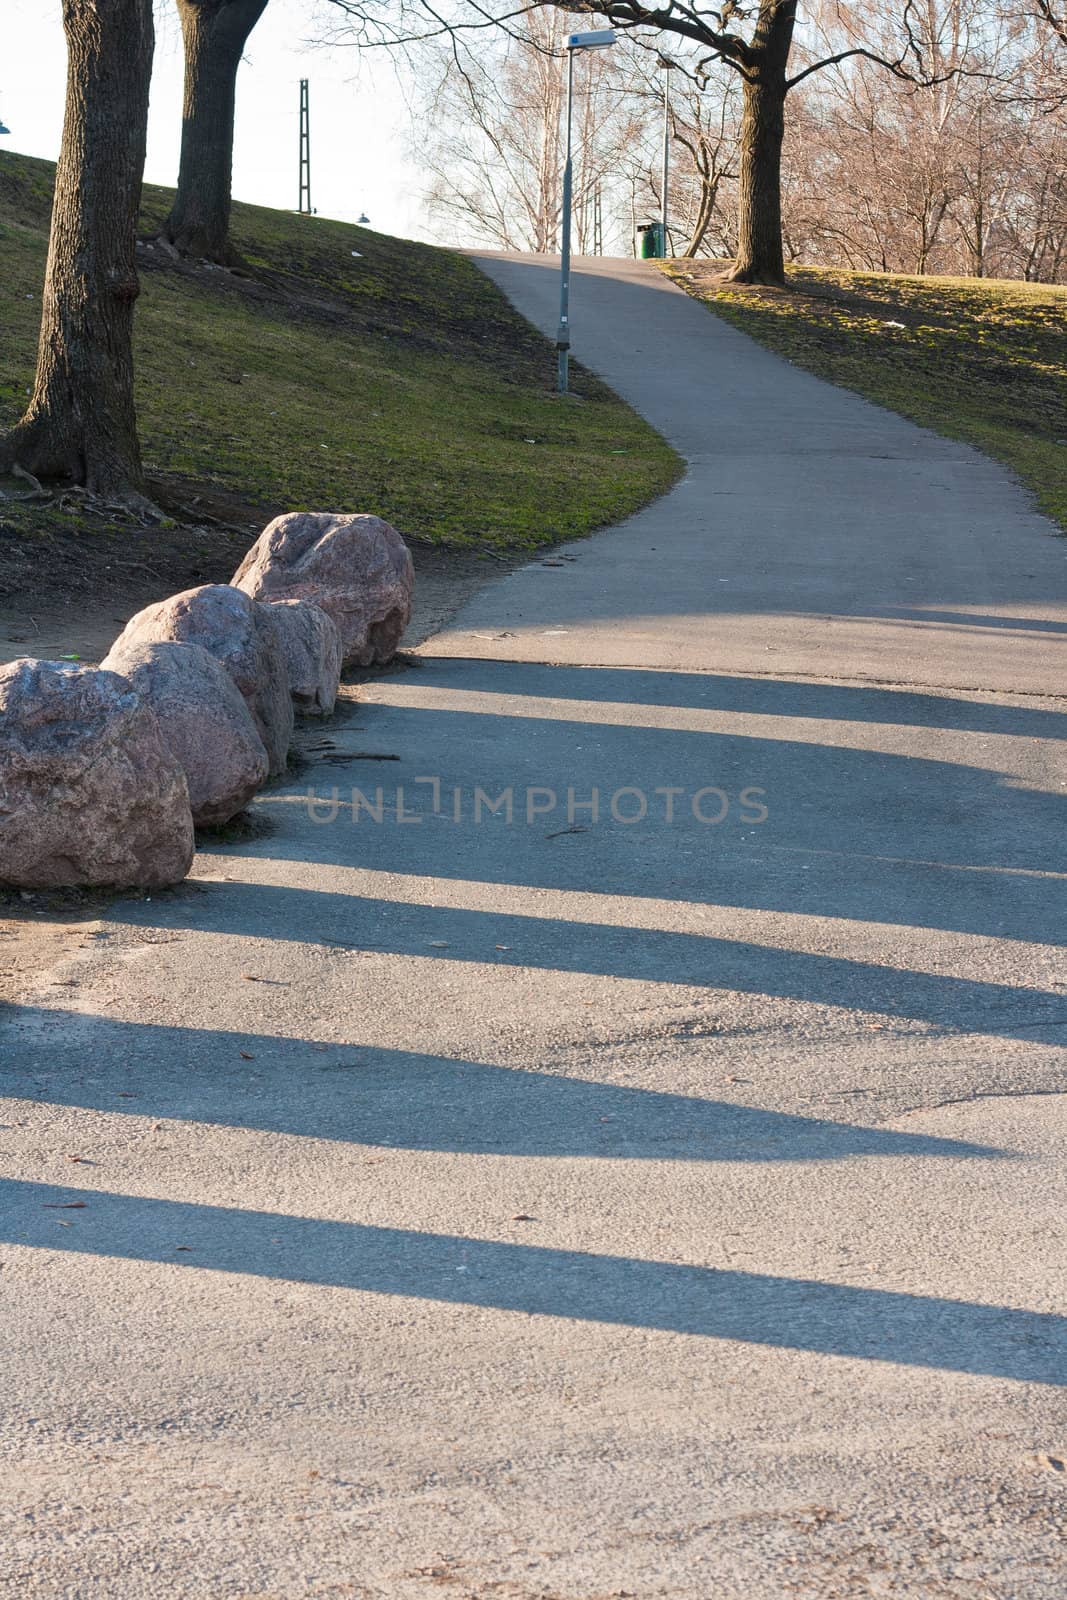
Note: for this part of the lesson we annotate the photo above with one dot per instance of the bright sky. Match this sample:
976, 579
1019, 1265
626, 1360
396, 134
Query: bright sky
360, 142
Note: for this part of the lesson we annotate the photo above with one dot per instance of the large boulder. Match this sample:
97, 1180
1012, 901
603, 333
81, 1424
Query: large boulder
226, 623
89, 794
204, 721
358, 569
311, 644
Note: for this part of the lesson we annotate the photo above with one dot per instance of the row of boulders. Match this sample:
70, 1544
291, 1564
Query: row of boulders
105, 771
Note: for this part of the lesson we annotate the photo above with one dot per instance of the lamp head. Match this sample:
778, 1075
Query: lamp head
599, 39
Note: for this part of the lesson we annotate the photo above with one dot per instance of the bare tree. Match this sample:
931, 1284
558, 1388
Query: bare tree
214, 33
491, 134
704, 136
1031, 235
80, 422
963, 176
1054, 19
706, 129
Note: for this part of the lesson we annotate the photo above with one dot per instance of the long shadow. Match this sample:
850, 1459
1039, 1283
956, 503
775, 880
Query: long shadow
849, 834
715, 871
266, 911
753, 1308
404, 1100
772, 697
857, 834
971, 619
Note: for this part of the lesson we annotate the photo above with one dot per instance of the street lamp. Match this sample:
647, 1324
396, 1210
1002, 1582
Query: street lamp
598, 40
667, 65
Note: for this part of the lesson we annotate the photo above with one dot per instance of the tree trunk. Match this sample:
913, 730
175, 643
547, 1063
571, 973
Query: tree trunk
709, 194
214, 33
759, 210
80, 422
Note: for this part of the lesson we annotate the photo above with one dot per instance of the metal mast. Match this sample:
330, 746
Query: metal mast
305, 150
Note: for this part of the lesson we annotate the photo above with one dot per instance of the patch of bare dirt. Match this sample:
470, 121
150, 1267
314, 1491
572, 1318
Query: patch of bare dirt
69, 586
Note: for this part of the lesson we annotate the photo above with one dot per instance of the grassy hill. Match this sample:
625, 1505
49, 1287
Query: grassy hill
981, 360
347, 370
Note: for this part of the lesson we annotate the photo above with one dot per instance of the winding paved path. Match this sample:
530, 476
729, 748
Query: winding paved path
570, 1206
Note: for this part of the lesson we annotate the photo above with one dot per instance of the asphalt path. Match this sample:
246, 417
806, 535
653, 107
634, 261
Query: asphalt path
603, 1132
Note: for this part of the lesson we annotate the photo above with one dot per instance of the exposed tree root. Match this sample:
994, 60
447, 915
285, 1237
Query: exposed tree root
74, 496
27, 477
752, 275
193, 244
36, 452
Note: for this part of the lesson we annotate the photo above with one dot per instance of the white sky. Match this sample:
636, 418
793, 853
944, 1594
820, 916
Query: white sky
360, 140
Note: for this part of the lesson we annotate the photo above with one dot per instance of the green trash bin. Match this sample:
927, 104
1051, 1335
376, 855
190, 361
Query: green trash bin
650, 235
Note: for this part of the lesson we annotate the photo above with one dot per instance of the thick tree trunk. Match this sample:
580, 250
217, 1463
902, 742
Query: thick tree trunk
759, 212
80, 423
215, 33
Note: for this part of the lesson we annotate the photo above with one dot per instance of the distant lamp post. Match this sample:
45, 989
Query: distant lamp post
666, 143
600, 39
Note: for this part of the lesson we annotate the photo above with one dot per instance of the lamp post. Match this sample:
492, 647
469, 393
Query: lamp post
598, 40
666, 144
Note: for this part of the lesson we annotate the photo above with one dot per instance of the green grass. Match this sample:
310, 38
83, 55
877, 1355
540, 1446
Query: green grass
982, 360
400, 383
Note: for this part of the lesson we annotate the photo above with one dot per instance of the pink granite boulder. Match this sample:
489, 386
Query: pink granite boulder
204, 720
358, 569
90, 796
311, 644
226, 623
